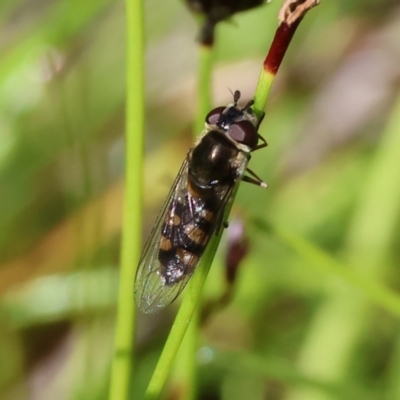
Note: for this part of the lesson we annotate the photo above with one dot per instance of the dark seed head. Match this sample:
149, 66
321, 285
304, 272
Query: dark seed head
215, 11
218, 10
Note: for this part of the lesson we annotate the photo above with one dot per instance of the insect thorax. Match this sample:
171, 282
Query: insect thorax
214, 162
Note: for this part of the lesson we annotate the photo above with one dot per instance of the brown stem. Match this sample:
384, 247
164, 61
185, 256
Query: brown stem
290, 15
280, 44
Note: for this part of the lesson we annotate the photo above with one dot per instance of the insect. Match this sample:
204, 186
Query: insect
194, 208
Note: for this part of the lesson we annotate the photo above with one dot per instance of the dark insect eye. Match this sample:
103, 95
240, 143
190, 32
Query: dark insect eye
213, 116
244, 132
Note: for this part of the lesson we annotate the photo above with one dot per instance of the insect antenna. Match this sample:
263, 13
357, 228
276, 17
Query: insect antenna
248, 105
236, 96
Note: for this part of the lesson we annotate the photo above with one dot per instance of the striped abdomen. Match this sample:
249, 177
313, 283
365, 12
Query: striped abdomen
184, 235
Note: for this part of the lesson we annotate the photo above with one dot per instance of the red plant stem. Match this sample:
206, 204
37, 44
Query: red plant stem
280, 44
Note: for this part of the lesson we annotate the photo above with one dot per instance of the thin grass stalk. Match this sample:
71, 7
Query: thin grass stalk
189, 304
204, 80
183, 379
272, 62
184, 382
290, 16
131, 229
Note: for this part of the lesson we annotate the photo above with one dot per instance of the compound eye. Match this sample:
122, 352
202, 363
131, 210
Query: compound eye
244, 132
213, 116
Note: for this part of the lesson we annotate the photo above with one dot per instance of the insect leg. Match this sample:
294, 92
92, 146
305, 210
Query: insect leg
221, 224
257, 181
262, 145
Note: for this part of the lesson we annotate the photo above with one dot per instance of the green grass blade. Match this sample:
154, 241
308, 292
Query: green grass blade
131, 234
189, 304
206, 55
375, 291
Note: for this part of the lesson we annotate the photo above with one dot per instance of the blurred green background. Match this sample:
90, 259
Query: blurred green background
315, 312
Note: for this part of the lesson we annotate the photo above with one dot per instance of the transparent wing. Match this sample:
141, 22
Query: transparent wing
153, 290
152, 294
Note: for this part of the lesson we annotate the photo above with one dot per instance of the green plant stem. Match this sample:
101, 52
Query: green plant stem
184, 373
131, 230
280, 44
206, 56
183, 379
263, 90
187, 309
182, 320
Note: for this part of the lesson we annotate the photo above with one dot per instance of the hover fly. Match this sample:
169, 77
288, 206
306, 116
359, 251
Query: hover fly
194, 208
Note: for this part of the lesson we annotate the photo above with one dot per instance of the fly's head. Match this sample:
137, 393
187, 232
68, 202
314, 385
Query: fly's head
239, 124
